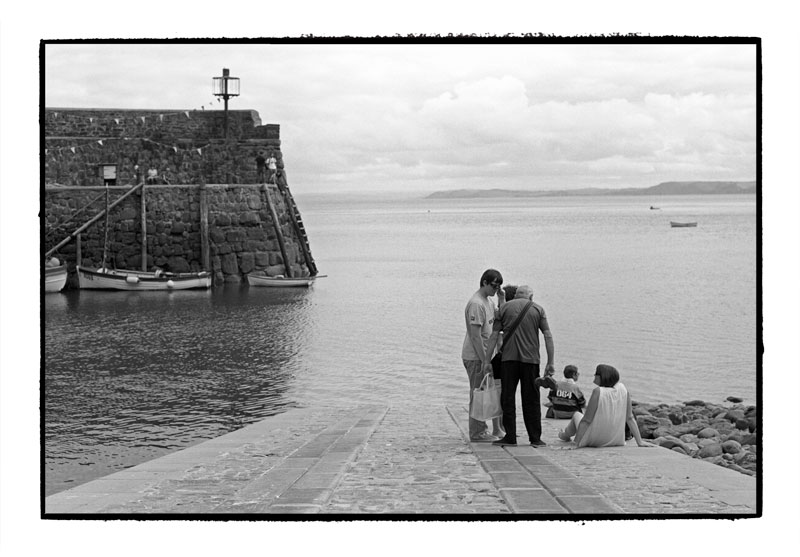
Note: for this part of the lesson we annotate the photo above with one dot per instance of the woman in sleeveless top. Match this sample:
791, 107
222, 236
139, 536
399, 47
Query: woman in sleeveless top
608, 410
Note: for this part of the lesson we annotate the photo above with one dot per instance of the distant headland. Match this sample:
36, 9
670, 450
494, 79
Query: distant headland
664, 188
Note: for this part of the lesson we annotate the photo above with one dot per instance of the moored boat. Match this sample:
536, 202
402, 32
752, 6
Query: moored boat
280, 280
123, 279
55, 278
674, 224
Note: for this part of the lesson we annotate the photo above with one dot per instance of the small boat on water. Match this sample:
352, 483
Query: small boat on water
653, 208
280, 280
123, 279
55, 278
674, 224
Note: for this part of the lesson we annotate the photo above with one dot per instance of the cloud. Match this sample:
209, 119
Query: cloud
403, 115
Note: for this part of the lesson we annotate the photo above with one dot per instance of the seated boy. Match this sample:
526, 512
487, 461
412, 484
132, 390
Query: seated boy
565, 396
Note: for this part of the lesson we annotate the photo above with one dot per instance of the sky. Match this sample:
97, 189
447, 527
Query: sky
629, 116
428, 117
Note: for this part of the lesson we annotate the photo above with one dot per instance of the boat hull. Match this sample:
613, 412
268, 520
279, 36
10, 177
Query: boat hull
120, 279
261, 280
682, 224
55, 278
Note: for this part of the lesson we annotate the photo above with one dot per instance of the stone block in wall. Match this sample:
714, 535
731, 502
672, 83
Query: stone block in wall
254, 203
128, 214
261, 259
246, 262
275, 258
177, 228
230, 265
275, 270
222, 249
255, 246
222, 220
249, 218
216, 235
135, 261
178, 265
235, 236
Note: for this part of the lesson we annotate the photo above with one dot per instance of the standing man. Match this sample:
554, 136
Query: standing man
261, 163
480, 317
272, 166
521, 364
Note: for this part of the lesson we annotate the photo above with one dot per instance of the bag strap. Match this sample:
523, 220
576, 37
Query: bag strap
513, 327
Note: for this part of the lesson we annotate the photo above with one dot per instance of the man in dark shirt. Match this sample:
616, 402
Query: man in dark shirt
520, 363
261, 164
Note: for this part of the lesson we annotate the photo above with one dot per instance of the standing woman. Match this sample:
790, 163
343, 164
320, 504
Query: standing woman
609, 409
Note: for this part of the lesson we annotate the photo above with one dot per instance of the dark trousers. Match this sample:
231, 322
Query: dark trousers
519, 372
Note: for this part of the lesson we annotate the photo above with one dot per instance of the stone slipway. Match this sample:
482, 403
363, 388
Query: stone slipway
411, 459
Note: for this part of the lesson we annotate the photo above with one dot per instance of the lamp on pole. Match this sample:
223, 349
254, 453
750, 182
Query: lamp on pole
226, 87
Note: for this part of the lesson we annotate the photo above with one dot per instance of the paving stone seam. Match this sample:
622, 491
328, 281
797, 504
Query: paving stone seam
485, 455
367, 427
512, 451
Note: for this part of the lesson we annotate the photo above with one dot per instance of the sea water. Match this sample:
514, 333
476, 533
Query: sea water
131, 376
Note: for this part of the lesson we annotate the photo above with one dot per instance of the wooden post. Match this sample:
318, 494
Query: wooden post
144, 231
78, 260
277, 225
204, 245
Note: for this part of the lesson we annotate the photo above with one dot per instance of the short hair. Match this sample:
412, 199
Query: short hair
609, 376
491, 275
524, 292
570, 371
510, 291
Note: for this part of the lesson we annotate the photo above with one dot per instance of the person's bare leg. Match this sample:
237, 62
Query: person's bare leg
572, 427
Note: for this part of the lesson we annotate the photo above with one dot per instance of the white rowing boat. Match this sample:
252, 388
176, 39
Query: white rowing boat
280, 280
55, 278
123, 279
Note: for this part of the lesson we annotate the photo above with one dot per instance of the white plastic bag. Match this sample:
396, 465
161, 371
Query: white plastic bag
486, 400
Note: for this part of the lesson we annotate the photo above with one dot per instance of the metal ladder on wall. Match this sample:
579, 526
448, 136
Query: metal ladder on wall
299, 228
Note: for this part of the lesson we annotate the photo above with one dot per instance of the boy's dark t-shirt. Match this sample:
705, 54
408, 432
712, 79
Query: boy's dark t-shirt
566, 398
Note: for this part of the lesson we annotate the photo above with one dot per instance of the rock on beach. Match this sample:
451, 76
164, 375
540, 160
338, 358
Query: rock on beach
723, 434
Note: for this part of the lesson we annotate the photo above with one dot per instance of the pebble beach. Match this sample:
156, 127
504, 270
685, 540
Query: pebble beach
725, 435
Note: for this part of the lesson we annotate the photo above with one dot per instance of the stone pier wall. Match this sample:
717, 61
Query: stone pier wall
184, 149
241, 233
187, 148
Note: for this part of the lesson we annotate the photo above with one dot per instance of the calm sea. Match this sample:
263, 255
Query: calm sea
133, 376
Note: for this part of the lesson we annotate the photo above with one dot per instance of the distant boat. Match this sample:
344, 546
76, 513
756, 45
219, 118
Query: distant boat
655, 208
55, 278
280, 280
121, 279
674, 224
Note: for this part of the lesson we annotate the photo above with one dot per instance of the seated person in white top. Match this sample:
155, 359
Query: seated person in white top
565, 396
608, 411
